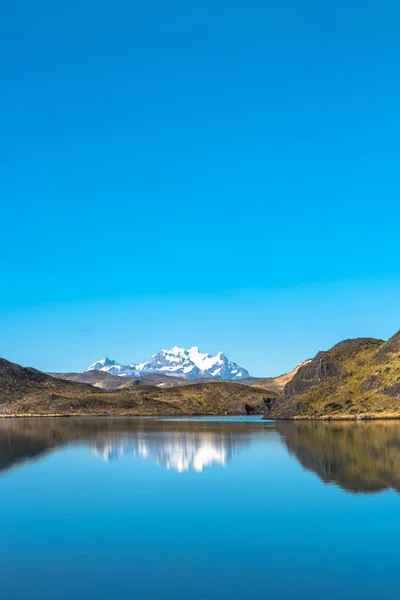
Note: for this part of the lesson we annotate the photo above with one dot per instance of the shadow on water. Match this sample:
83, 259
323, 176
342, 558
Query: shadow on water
360, 457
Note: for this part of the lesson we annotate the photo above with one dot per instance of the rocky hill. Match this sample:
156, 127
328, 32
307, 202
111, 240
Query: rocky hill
18, 382
357, 378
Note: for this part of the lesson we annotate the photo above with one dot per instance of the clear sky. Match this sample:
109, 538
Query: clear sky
214, 173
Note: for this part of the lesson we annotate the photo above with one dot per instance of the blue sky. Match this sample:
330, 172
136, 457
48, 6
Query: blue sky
221, 174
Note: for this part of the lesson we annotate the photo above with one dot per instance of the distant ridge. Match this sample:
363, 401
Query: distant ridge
28, 392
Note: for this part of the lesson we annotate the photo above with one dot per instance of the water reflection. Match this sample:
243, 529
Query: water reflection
178, 450
179, 445
360, 457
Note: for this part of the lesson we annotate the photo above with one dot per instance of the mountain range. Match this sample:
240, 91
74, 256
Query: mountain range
177, 362
356, 379
26, 391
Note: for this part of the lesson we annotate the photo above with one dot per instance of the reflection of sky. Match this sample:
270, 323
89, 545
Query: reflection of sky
263, 527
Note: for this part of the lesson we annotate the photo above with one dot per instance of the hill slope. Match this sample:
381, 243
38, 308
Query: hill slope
357, 378
19, 382
26, 391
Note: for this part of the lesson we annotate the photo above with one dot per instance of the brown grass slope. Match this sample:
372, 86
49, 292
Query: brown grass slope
355, 379
26, 391
18, 382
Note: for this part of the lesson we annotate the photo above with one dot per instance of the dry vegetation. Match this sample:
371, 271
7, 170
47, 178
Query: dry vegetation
366, 384
30, 392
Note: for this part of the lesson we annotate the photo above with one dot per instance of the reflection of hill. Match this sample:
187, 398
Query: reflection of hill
179, 445
359, 457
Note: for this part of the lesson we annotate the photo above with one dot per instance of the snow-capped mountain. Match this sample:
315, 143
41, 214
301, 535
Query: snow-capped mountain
189, 364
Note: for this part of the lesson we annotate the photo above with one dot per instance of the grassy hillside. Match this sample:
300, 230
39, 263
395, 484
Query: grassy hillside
355, 379
25, 391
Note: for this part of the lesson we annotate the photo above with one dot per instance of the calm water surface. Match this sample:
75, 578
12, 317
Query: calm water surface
235, 508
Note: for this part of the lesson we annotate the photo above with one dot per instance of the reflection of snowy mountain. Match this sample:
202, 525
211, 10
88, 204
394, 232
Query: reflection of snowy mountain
108, 450
181, 451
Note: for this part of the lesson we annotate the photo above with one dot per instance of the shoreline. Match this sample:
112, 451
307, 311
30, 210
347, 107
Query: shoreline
200, 415
124, 415
344, 418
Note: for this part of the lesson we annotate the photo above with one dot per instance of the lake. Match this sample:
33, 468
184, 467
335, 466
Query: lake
235, 508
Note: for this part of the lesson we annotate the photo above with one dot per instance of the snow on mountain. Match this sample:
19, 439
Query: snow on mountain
179, 362
109, 366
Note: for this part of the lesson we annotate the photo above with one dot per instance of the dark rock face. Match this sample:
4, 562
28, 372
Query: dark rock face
269, 402
371, 383
393, 390
250, 410
391, 346
321, 367
326, 364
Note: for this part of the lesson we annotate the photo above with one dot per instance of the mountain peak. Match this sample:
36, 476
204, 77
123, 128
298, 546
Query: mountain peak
104, 362
179, 362
175, 351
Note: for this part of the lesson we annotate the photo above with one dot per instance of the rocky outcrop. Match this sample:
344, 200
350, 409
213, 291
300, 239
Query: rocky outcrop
393, 390
325, 364
322, 366
371, 383
392, 346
